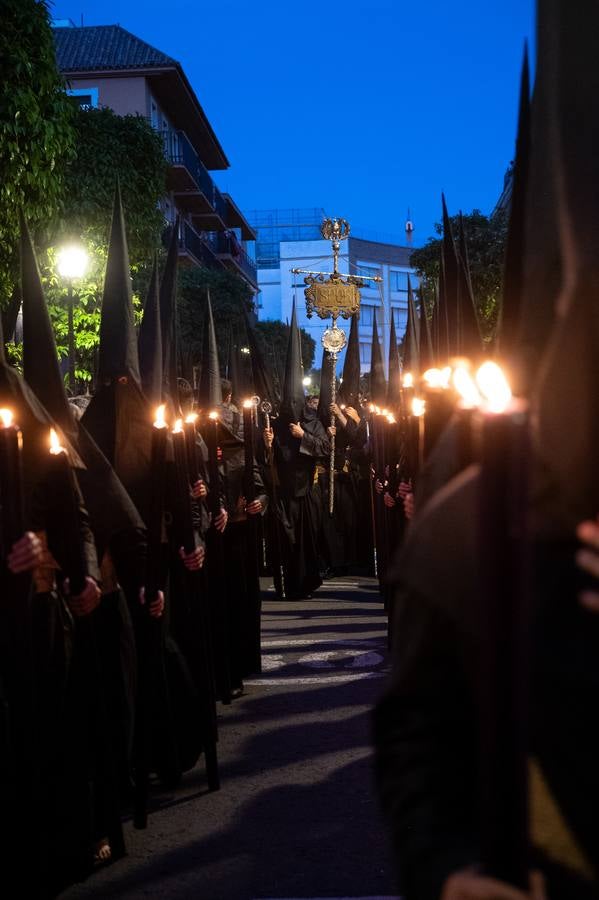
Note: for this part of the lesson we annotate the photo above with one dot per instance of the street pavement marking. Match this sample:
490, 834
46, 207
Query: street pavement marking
279, 643
314, 679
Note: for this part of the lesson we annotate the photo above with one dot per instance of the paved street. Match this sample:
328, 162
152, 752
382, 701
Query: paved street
296, 816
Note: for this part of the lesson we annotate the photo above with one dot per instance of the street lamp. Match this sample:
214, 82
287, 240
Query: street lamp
71, 262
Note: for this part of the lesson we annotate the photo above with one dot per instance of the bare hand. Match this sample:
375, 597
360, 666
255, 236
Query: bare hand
254, 508
378, 486
220, 522
587, 559
388, 500
296, 430
199, 490
331, 431
405, 488
156, 606
353, 414
269, 436
193, 561
26, 554
469, 886
84, 603
408, 505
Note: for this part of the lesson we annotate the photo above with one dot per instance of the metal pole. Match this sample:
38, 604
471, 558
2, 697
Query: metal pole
332, 462
71, 339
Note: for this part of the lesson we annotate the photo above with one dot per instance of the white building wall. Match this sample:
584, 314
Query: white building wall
279, 287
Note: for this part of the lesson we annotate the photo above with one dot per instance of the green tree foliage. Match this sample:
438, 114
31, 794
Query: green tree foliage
37, 137
486, 237
229, 295
274, 337
109, 145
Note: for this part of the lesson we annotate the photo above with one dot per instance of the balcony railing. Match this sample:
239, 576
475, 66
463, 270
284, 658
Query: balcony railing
227, 245
179, 152
201, 248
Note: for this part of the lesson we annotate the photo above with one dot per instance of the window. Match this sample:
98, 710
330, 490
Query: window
369, 271
365, 354
86, 98
154, 115
400, 318
366, 315
398, 281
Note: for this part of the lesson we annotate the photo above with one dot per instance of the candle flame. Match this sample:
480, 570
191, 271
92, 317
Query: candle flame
494, 387
55, 445
247, 404
191, 419
391, 419
342, 406
438, 378
418, 406
6, 417
386, 412
372, 408
465, 385
213, 415
160, 421
408, 380
178, 426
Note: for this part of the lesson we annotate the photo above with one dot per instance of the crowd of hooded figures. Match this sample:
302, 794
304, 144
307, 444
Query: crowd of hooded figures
136, 524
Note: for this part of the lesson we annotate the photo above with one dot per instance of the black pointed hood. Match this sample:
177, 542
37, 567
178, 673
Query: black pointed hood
293, 399
235, 373
469, 339
3, 360
411, 356
150, 342
327, 371
425, 347
450, 282
565, 402
262, 381
513, 274
393, 387
349, 391
118, 341
40, 359
378, 384
110, 507
209, 390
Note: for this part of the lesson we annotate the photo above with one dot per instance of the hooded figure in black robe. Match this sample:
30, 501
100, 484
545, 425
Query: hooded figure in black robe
427, 725
25, 651
300, 440
106, 669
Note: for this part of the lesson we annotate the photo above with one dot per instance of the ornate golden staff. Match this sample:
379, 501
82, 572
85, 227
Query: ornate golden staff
333, 294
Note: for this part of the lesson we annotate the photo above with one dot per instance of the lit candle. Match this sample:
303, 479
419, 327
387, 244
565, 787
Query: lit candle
469, 400
182, 511
154, 574
191, 446
504, 614
11, 482
439, 405
211, 438
248, 444
416, 435
63, 488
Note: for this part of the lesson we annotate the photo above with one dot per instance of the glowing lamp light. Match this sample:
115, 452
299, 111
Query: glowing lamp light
247, 404
465, 386
178, 426
160, 421
6, 417
307, 381
213, 415
245, 350
372, 408
72, 262
418, 406
55, 445
493, 386
438, 378
391, 419
191, 419
408, 380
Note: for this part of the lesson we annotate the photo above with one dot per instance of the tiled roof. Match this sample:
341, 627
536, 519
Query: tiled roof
102, 47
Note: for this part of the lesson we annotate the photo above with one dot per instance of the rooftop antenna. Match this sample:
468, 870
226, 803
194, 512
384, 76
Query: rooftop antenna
409, 229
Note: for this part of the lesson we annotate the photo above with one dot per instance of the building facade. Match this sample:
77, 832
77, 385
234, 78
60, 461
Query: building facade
107, 66
291, 239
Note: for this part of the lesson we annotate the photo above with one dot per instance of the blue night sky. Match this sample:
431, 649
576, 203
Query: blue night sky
363, 108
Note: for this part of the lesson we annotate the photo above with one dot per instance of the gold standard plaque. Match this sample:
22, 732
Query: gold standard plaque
331, 294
